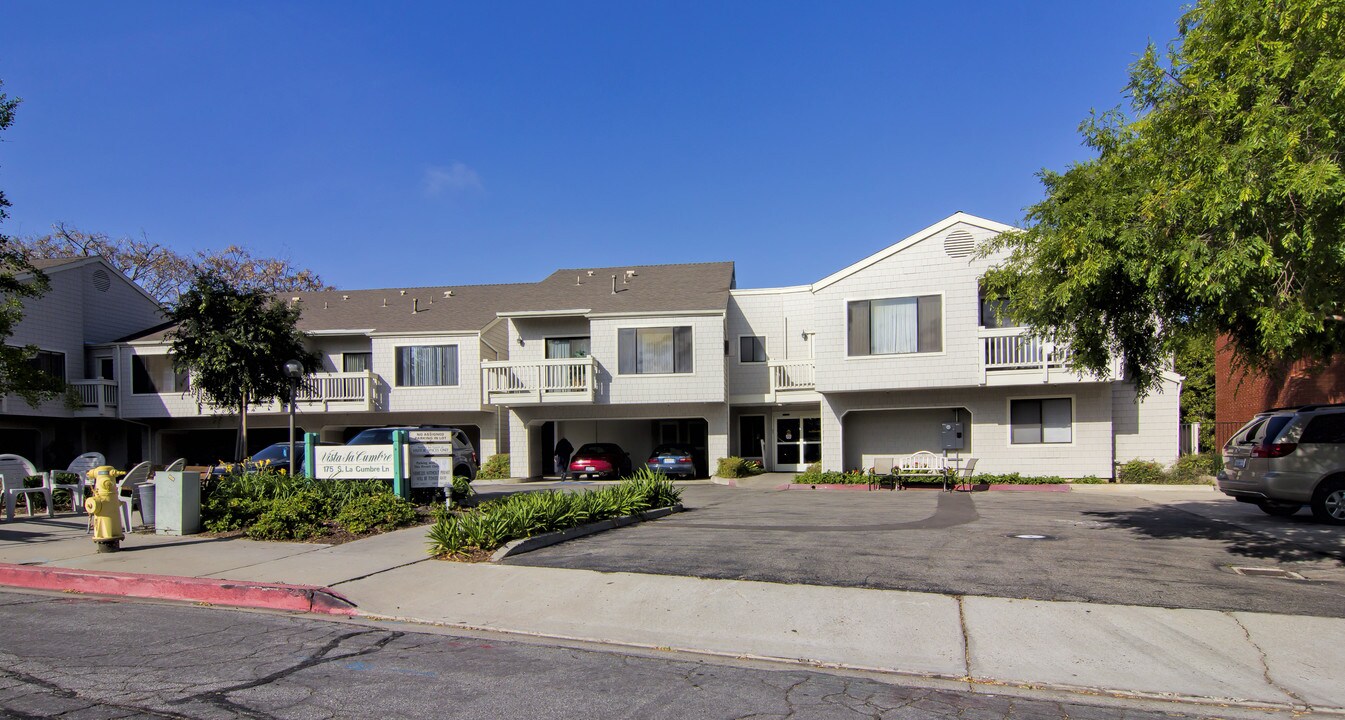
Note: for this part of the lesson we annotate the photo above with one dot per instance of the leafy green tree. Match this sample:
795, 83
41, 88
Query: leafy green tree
1195, 361
19, 280
235, 342
1216, 204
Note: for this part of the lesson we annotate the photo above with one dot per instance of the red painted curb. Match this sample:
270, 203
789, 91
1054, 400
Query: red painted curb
271, 596
962, 487
824, 486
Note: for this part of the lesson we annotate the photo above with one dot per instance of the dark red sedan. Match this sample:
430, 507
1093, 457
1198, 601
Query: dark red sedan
601, 460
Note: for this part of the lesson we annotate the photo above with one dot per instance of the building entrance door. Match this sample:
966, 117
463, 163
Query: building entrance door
798, 443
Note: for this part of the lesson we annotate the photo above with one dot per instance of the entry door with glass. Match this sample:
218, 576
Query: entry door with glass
798, 443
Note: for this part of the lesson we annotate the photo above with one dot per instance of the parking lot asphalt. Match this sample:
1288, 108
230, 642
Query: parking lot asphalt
1093, 547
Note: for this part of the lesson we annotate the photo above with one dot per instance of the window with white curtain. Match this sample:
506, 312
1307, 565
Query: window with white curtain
567, 347
654, 350
427, 365
1034, 422
895, 326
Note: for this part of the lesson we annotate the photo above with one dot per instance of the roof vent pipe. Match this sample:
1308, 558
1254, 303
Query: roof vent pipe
613, 284
415, 305
385, 302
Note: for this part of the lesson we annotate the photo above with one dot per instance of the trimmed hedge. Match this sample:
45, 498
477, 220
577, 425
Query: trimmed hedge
736, 467
494, 523
273, 506
496, 468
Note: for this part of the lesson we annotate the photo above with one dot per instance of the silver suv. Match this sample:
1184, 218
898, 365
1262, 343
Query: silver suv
1287, 458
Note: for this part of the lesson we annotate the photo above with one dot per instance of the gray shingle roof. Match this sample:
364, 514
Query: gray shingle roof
652, 288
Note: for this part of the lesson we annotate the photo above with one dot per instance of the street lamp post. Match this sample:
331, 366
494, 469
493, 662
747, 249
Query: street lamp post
294, 370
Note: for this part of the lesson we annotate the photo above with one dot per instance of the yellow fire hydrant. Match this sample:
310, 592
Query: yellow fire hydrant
104, 508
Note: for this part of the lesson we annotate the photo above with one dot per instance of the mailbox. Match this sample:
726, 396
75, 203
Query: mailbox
951, 437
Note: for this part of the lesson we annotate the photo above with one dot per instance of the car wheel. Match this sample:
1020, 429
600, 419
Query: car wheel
1278, 509
1328, 503
464, 471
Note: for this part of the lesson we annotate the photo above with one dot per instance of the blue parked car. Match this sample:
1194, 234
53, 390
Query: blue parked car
674, 459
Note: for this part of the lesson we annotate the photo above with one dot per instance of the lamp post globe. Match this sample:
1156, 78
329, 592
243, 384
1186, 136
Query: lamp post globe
294, 370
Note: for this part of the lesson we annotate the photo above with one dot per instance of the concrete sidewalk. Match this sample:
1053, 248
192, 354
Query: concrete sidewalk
1192, 655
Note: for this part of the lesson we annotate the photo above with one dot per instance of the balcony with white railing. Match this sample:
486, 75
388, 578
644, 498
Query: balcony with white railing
534, 382
791, 376
97, 398
338, 391
1011, 356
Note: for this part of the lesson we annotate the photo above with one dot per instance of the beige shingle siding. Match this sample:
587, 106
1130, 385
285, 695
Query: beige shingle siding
704, 384
1090, 452
782, 318
920, 269
1147, 430
466, 395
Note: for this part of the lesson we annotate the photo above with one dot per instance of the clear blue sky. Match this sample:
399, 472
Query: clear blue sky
387, 144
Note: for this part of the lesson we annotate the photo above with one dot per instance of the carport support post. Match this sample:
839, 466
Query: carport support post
310, 454
398, 470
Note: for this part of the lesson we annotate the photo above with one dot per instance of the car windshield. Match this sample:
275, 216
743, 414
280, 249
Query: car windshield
373, 436
1262, 430
599, 449
279, 453
672, 450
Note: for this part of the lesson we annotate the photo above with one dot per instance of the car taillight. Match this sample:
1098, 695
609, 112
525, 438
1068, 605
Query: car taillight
1273, 450
684, 459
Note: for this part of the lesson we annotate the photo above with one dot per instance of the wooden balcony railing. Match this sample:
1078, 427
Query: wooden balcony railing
538, 381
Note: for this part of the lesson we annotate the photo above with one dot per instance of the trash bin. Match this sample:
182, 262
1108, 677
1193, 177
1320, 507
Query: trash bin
146, 493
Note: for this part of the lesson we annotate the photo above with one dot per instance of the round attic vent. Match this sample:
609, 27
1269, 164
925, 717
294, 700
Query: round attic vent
959, 243
101, 281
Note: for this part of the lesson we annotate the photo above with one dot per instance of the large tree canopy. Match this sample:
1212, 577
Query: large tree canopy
234, 342
166, 274
1215, 204
19, 280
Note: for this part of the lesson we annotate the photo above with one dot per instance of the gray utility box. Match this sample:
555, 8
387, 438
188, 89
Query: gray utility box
951, 437
177, 500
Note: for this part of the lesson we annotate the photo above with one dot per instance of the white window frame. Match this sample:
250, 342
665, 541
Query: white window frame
658, 326
1073, 421
741, 361
130, 364
943, 325
396, 363
546, 340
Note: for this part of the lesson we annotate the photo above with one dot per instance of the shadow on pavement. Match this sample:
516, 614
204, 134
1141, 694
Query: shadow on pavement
1299, 538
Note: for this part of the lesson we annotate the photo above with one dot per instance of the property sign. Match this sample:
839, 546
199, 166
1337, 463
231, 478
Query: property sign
357, 462
431, 458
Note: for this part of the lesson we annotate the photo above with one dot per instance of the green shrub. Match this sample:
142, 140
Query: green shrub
1195, 468
815, 476
494, 523
1141, 471
736, 467
1016, 479
285, 507
296, 517
1090, 480
382, 512
496, 468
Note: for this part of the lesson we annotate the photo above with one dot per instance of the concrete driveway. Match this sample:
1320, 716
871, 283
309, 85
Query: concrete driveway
1155, 547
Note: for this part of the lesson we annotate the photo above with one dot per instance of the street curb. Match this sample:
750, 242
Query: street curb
235, 593
823, 486
537, 542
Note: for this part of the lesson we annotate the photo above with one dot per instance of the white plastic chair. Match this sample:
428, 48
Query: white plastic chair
126, 489
79, 467
14, 469
177, 465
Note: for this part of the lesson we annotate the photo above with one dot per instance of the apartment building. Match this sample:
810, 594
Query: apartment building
870, 360
88, 306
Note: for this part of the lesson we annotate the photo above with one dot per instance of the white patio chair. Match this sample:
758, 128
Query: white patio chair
14, 469
177, 465
126, 489
882, 471
79, 467
965, 473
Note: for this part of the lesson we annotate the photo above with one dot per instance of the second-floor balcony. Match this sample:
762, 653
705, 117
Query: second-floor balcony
97, 398
788, 376
1012, 356
339, 391
532, 382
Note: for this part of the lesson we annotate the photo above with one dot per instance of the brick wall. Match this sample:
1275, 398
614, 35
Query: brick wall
1238, 394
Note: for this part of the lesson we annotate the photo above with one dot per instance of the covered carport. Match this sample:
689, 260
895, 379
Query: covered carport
870, 433
638, 437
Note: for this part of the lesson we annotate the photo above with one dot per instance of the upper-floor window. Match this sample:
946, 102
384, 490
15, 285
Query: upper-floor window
427, 365
653, 350
152, 374
51, 363
567, 347
993, 313
356, 361
751, 349
1041, 421
894, 326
